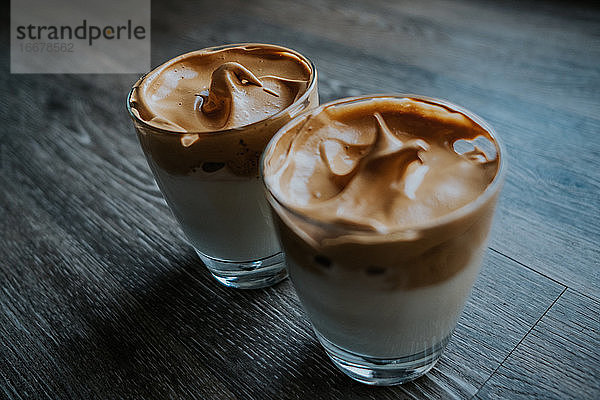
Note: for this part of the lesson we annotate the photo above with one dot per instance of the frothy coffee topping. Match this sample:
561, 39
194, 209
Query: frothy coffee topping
213, 90
381, 164
211, 112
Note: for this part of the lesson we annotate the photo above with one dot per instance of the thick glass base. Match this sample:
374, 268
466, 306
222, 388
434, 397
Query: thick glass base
383, 371
253, 274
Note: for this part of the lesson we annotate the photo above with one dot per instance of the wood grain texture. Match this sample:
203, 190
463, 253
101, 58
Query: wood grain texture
560, 354
100, 296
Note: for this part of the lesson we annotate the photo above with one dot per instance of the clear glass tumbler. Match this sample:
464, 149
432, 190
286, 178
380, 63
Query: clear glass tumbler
224, 215
383, 305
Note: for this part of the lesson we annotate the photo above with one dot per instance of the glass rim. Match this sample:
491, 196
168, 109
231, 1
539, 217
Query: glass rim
492, 188
311, 85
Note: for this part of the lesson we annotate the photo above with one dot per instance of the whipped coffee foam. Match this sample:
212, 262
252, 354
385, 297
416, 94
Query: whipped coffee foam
204, 94
380, 165
372, 184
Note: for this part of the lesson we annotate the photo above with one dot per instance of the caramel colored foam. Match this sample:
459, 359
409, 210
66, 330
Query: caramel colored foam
221, 106
371, 178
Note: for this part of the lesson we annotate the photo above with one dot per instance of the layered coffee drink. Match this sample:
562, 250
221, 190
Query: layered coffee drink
203, 120
384, 204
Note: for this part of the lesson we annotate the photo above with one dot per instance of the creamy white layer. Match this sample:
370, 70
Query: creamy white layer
224, 216
352, 310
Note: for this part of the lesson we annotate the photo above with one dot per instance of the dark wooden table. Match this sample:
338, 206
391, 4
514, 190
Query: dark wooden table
101, 297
